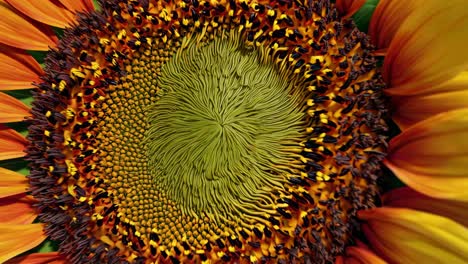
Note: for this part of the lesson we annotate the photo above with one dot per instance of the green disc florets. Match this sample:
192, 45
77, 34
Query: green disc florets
226, 118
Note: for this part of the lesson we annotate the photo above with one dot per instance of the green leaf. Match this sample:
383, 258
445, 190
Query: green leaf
58, 31
48, 246
363, 16
96, 5
39, 56
16, 165
20, 127
24, 96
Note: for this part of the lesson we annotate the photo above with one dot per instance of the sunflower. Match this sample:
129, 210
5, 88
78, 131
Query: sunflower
233, 131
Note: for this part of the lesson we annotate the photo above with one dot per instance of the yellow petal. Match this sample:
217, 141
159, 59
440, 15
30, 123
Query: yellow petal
19, 69
12, 143
347, 8
12, 109
16, 239
50, 12
428, 49
78, 5
19, 31
12, 183
408, 198
432, 156
39, 258
410, 236
17, 209
451, 95
388, 18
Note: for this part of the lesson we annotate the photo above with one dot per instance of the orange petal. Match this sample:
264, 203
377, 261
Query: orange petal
408, 198
347, 8
19, 31
12, 183
428, 49
359, 255
78, 5
39, 258
12, 143
432, 156
387, 19
16, 239
380, 53
12, 109
50, 12
19, 69
362, 255
17, 209
410, 236
450, 95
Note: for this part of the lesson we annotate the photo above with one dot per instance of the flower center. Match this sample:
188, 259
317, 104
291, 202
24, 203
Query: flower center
226, 117
192, 131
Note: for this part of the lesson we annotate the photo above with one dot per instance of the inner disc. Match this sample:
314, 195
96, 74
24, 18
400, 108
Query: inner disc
220, 133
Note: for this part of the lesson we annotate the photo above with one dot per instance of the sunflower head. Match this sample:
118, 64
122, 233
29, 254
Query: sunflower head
207, 131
